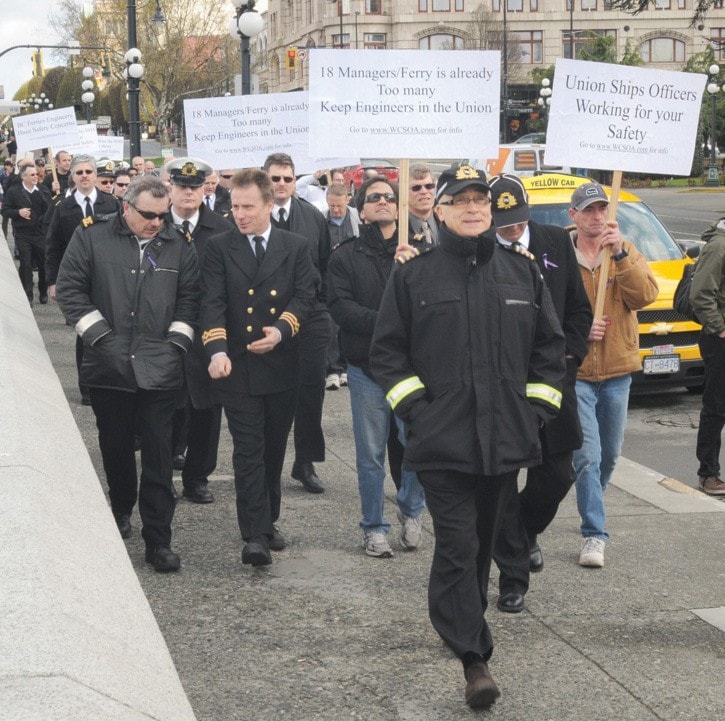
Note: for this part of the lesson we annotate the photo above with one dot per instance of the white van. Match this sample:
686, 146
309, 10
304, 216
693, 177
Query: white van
519, 159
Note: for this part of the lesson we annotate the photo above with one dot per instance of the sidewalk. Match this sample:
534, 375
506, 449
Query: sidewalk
327, 633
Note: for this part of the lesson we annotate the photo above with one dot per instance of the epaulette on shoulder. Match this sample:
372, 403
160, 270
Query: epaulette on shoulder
59, 198
343, 242
407, 255
518, 248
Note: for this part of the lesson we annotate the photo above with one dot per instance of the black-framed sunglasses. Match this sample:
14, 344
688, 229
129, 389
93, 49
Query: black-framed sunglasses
148, 214
377, 197
228, 177
277, 178
84, 172
105, 182
122, 185
417, 188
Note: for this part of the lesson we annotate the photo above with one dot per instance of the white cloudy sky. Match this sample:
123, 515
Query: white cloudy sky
23, 22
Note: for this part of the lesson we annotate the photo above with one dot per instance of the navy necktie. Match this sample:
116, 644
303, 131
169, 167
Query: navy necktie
89, 208
259, 248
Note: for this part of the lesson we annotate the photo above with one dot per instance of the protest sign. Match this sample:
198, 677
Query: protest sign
50, 129
87, 143
111, 147
619, 117
241, 131
405, 103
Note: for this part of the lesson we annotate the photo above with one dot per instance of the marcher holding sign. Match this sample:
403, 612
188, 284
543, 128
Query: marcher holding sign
604, 378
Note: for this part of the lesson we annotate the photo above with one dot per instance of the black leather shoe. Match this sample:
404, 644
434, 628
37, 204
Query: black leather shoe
199, 493
536, 558
123, 521
277, 543
163, 559
510, 603
179, 461
256, 552
481, 689
43, 299
305, 472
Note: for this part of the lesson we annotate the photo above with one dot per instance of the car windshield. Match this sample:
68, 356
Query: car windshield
637, 223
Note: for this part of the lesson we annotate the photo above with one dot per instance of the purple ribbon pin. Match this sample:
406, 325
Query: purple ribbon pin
547, 263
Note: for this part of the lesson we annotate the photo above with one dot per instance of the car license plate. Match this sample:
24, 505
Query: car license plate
653, 364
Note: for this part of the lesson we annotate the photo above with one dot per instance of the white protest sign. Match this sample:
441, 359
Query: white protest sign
87, 142
51, 129
241, 131
618, 117
405, 103
111, 147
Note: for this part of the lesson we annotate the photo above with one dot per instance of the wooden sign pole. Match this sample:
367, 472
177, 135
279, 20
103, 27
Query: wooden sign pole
403, 176
606, 256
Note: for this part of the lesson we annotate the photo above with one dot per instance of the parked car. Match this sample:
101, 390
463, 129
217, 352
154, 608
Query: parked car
355, 174
668, 341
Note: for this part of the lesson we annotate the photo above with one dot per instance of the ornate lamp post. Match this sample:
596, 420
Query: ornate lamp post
88, 97
544, 99
713, 175
133, 74
247, 23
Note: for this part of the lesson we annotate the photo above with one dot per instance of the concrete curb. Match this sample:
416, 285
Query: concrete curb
78, 639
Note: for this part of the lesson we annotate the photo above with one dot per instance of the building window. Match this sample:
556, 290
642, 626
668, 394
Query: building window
663, 4
581, 38
663, 50
512, 6
375, 41
534, 5
682, 4
530, 45
441, 6
345, 40
607, 4
717, 40
441, 41
422, 6
372, 7
588, 5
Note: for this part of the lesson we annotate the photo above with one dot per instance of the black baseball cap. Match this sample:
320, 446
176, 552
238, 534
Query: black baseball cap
509, 201
454, 180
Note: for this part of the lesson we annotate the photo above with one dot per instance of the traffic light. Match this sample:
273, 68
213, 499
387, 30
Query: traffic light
37, 60
291, 59
105, 63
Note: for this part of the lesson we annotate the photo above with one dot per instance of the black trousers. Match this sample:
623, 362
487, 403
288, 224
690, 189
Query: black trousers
119, 415
259, 426
202, 444
465, 510
712, 414
314, 339
335, 362
31, 252
526, 515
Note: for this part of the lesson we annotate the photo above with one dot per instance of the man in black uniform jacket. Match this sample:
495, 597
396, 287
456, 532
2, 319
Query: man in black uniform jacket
26, 204
531, 511
470, 354
258, 285
299, 216
62, 173
198, 223
129, 284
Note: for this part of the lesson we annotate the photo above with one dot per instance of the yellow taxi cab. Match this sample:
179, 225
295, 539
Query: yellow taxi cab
668, 341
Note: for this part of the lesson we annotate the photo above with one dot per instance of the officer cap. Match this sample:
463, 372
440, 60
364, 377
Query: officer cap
106, 167
454, 180
189, 172
509, 201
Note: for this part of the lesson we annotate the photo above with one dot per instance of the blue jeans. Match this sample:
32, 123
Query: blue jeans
603, 416
371, 425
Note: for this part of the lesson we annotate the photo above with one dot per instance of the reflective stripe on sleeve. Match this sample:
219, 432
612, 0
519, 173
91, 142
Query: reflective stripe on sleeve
179, 326
402, 390
545, 393
88, 320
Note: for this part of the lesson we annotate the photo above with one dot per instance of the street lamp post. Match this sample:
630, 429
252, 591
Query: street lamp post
134, 72
247, 23
504, 75
88, 97
713, 176
36, 102
544, 100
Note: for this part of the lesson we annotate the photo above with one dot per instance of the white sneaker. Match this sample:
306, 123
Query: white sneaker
376, 544
411, 534
592, 553
332, 383
343, 379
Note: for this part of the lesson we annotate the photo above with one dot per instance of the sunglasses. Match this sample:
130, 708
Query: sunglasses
227, 177
419, 187
122, 185
84, 172
277, 178
149, 215
377, 197
105, 182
